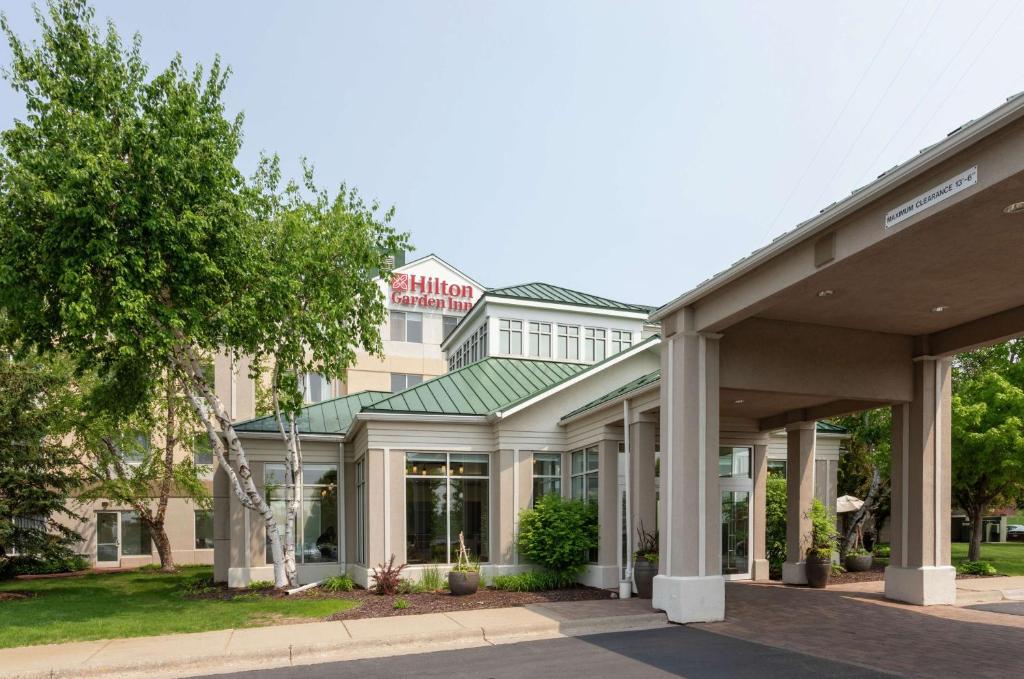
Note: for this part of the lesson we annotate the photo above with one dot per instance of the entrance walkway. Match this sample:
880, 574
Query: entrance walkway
856, 624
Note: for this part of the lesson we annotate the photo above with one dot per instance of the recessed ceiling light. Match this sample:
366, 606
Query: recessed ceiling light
1014, 208
826, 293
739, 400
939, 309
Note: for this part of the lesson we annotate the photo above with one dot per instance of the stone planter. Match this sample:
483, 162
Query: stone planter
462, 583
818, 571
858, 563
643, 574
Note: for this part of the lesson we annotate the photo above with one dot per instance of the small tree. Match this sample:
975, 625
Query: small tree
558, 534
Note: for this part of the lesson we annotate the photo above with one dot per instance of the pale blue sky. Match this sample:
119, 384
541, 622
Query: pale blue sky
629, 149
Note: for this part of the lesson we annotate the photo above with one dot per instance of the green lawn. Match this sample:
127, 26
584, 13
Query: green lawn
1008, 557
135, 604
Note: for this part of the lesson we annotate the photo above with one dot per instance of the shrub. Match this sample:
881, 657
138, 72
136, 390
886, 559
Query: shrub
976, 568
431, 579
558, 534
29, 565
338, 583
775, 522
824, 537
197, 584
407, 586
533, 581
261, 585
400, 604
883, 551
386, 577
838, 569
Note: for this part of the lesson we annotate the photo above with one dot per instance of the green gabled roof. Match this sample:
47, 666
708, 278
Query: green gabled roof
327, 417
825, 427
545, 292
480, 388
638, 383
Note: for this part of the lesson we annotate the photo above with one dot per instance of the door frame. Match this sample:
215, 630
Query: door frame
117, 523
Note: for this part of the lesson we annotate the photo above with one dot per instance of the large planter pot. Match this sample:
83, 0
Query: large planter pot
643, 574
818, 569
461, 583
858, 563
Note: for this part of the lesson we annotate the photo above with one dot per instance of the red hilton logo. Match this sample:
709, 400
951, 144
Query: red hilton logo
400, 282
430, 292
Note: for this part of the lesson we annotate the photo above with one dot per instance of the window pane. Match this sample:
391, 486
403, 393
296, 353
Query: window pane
273, 475
397, 326
322, 474
547, 464
577, 488
319, 524
545, 486
204, 529
425, 522
469, 465
425, 464
592, 459
505, 342
777, 467
413, 380
592, 488
202, 453
413, 327
469, 514
448, 324
397, 382
516, 344
577, 462
134, 535
725, 462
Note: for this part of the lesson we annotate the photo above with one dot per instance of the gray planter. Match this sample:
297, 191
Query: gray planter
858, 563
462, 583
643, 574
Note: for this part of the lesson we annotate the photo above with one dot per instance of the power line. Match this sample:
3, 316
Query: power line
835, 122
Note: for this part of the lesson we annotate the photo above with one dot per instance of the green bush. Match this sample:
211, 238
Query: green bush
775, 523
28, 565
824, 537
533, 581
883, 551
261, 584
976, 568
197, 584
338, 583
558, 534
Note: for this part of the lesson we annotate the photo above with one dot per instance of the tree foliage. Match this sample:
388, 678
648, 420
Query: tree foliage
558, 534
775, 522
865, 471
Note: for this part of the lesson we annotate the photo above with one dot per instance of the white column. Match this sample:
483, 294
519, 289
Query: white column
800, 441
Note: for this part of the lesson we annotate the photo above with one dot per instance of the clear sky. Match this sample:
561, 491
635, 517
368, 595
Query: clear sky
630, 149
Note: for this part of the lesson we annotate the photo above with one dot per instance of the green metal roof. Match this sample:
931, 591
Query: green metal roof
480, 388
545, 292
327, 417
825, 427
638, 383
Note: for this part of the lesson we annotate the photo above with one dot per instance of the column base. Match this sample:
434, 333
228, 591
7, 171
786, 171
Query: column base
794, 573
690, 599
925, 586
759, 569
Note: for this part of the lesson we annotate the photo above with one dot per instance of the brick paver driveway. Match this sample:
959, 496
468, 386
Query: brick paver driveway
855, 624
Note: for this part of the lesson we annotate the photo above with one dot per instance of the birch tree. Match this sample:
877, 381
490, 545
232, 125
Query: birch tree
130, 240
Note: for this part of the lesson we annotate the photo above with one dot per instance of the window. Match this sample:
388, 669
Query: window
569, 342
540, 340
448, 324
734, 462
621, 340
406, 326
777, 468
474, 347
318, 388
316, 527
134, 535
510, 334
361, 511
584, 474
134, 448
594, 344
204, 529
445, 494
482, 332
547, 475
402, 381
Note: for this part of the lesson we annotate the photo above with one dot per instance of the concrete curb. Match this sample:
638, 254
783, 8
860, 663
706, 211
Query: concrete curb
183, 664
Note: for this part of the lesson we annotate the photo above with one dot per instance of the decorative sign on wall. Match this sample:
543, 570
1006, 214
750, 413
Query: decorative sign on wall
430, 292
932, 197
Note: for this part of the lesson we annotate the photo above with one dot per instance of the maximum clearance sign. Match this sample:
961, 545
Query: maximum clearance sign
931, 197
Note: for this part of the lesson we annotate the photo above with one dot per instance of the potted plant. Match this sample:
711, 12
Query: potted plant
823, 541
858, 559
645, 562
464, 577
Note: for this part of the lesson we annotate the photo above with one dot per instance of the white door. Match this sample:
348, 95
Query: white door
108, 539
737, 492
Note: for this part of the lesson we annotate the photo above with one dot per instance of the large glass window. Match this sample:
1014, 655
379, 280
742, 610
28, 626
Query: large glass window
361, 511
406, 326
569, 342
540, 340
510, 337
318, 387
594, 341
402, 381
448, 324
547, 475
316, 528
204, 529
446, 493
135, 539
584, 474
734, 462
621, 340
777, 468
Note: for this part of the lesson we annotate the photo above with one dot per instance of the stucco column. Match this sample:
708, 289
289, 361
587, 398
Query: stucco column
608, 510
643, 498
919, 571
759, 472
800, 438
689, 586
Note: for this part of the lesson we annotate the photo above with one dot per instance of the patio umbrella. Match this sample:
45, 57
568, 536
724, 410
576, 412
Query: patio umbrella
848, 503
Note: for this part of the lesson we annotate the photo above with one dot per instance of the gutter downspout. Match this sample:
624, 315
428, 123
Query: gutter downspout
626, 584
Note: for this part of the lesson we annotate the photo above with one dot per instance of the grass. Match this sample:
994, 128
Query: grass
135, 604
1007, 557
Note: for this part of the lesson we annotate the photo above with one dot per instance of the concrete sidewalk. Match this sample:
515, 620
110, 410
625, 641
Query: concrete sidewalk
235, 650
987, 590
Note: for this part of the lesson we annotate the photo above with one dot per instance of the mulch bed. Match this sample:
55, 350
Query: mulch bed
15, 596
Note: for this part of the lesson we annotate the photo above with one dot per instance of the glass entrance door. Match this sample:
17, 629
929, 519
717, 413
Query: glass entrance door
736, 492
108, 539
